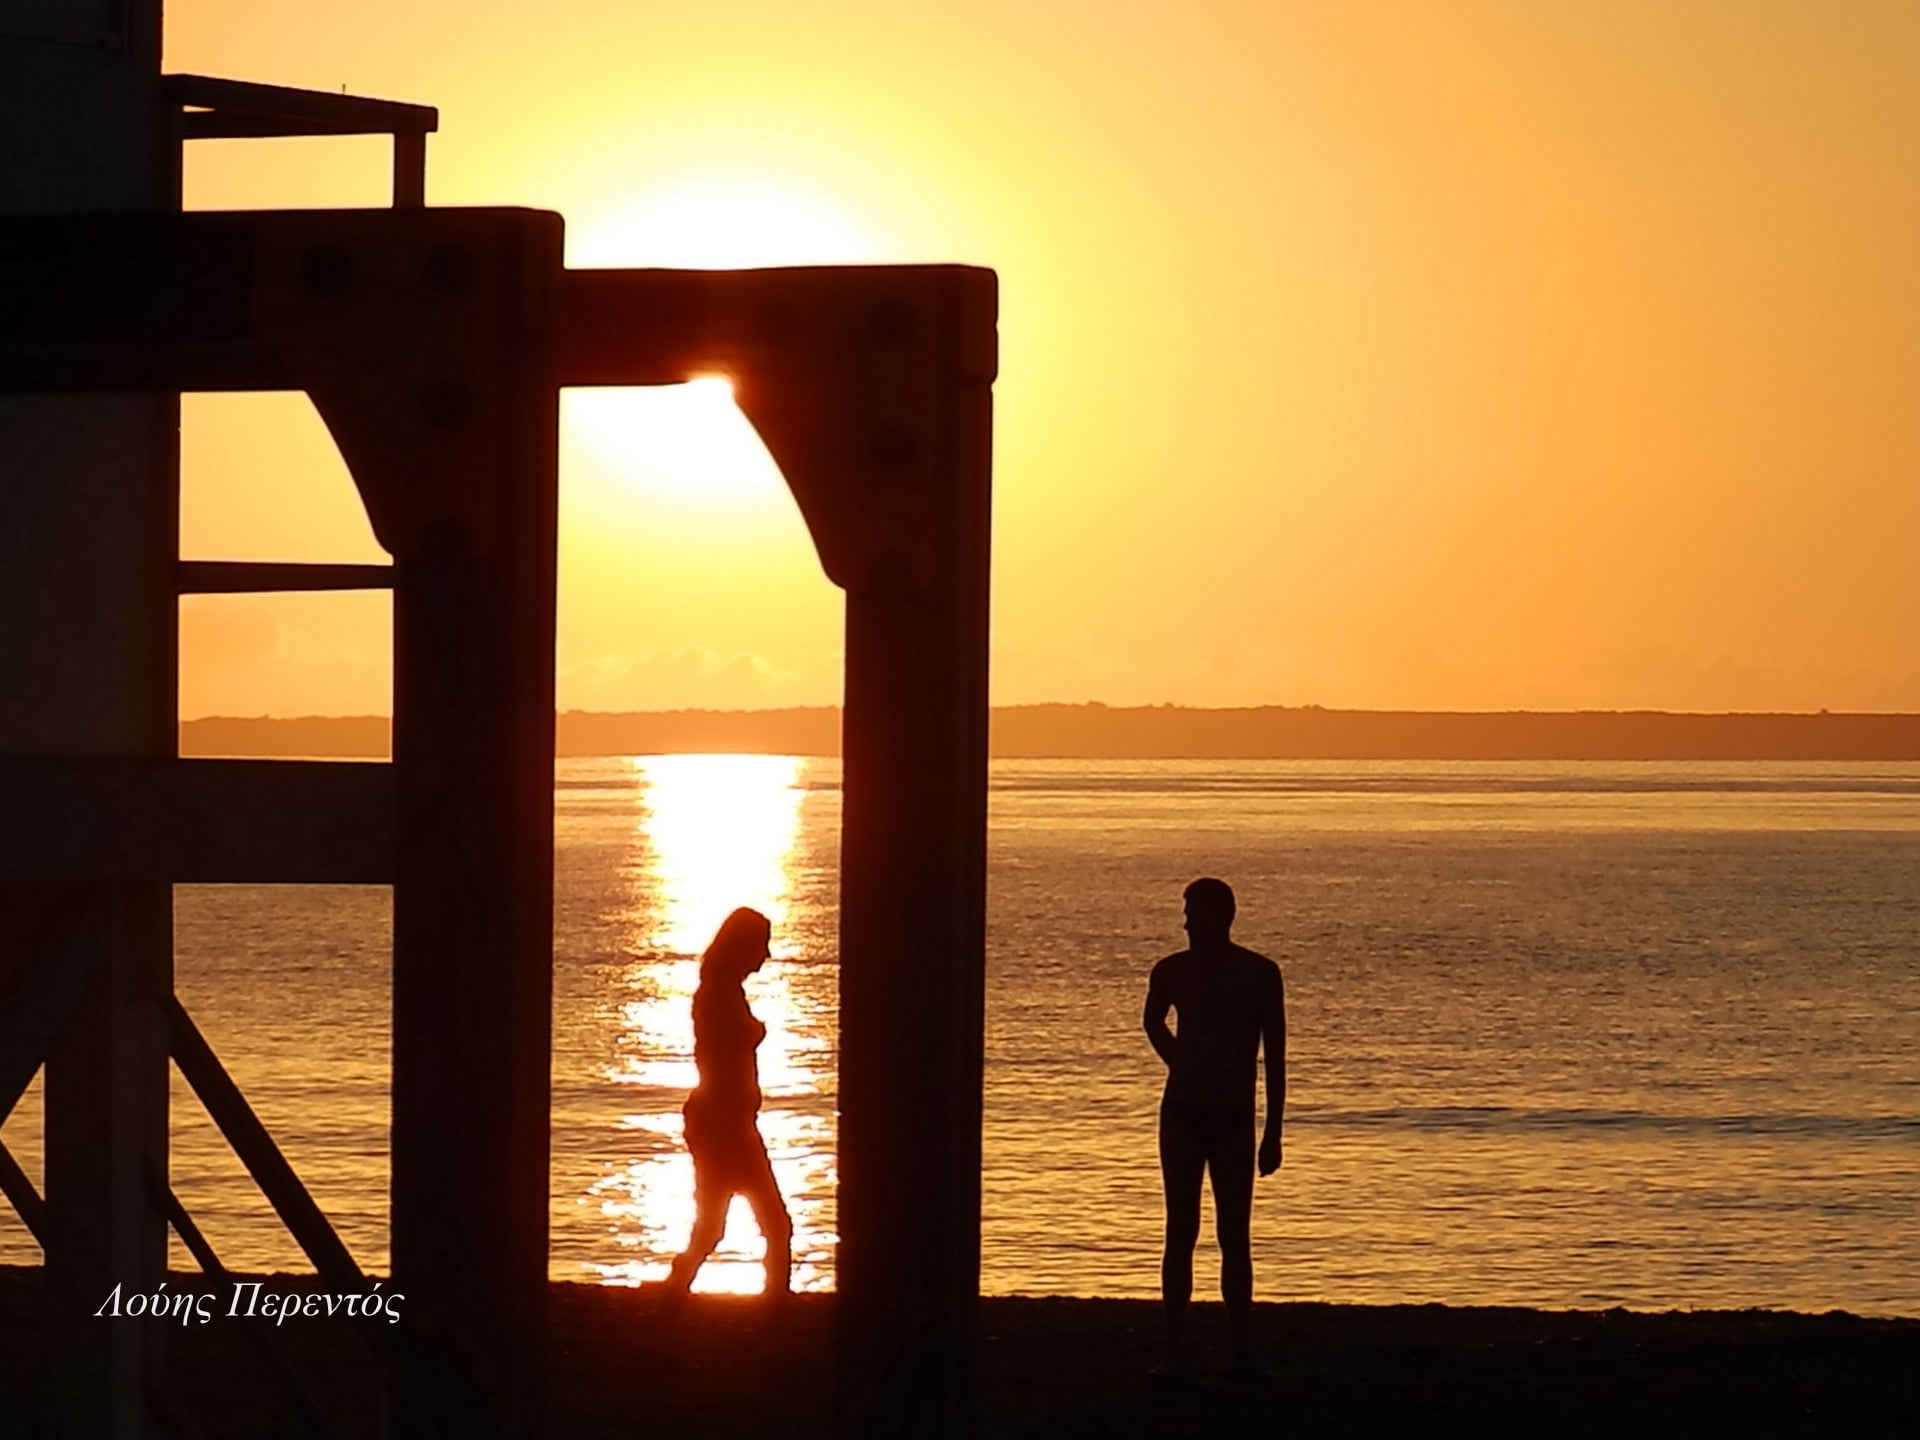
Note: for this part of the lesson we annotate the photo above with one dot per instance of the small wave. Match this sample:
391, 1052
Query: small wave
1449, 785
1498, 1119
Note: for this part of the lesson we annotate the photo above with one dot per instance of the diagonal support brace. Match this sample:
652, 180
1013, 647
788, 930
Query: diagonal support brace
303, 1218
27, 1201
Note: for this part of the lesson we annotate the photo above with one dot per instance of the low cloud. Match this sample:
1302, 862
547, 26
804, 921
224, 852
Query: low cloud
695, 678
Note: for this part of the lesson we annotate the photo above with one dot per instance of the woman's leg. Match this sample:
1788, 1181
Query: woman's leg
710, 1202
770, 1213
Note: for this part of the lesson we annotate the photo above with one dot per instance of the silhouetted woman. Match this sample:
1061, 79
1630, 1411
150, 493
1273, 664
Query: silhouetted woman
729, 1158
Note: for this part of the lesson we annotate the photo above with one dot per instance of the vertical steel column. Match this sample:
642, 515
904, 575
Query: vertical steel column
473, 614
88, 538
912, 924
911, 1012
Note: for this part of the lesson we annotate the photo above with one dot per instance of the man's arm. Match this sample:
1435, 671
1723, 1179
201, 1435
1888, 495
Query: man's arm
1155, 1019
1273, 1042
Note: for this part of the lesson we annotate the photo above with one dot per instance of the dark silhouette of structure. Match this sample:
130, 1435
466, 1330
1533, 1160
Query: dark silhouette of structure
722, 1133
434, 343
1230, 1004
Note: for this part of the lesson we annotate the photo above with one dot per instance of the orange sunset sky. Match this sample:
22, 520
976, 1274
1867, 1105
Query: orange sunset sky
1389, 353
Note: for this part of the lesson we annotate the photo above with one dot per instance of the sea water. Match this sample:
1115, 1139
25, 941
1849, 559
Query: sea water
1573, 1034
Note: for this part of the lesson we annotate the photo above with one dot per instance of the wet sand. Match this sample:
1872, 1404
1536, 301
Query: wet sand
625, 1366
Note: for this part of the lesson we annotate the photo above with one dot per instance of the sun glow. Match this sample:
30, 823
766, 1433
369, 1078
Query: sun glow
691, 441
686, 441
723, 227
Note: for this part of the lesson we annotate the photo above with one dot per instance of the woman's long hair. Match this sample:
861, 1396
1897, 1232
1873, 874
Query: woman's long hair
739, 943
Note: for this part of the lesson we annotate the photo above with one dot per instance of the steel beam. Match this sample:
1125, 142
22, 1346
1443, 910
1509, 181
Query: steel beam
218, 108
252, 577
70, 819
88, 525
105, 1099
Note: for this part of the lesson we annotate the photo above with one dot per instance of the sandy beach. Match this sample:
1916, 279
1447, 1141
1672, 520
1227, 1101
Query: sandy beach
724, 1367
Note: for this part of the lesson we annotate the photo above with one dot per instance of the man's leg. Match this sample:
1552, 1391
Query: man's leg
1182, 1159
1230, 1168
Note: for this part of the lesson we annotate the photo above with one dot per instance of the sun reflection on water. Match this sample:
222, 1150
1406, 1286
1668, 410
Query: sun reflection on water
713, 832
721, 830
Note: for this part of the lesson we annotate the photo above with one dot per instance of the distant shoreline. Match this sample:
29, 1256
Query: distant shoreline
1159, 732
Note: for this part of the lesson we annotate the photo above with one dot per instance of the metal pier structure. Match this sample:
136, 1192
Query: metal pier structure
434, 343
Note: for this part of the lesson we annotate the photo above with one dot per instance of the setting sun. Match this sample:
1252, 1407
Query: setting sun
722, 227
689, 441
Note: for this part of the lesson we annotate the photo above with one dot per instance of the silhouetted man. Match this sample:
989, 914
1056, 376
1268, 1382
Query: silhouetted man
1227, 1002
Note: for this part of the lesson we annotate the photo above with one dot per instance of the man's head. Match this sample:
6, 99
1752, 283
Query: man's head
1209, 910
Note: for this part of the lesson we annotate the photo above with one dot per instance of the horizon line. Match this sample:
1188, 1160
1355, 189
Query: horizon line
1156, 706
